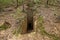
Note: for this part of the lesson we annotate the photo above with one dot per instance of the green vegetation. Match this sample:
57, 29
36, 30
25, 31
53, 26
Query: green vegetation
31, 5
4, 26
18, 16
4, 3
8, 3
53, 2
17, 31
43, 32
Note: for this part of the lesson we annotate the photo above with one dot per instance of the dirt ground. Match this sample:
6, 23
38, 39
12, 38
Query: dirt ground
50, 25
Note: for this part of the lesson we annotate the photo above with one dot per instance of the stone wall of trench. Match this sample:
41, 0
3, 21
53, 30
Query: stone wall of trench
18, 24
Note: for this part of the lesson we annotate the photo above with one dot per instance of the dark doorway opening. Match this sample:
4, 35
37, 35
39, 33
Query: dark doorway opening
30, 27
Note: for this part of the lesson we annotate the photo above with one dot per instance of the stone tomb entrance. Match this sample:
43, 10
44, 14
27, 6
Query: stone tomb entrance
30, 22
30, 26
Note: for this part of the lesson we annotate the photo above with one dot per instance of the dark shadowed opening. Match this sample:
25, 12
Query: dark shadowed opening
30, 27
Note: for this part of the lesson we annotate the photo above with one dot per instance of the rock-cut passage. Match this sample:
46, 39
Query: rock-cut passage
30, 25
